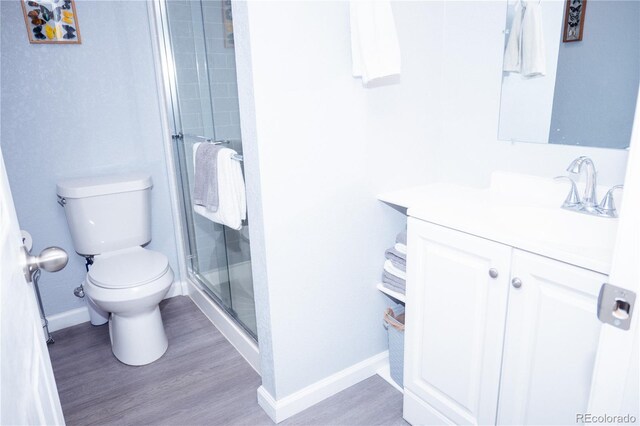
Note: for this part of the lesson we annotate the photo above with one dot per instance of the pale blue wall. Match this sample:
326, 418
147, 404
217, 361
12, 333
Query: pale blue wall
80, 110
597, 78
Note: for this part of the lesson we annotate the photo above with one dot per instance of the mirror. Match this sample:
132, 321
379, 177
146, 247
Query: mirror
581, 91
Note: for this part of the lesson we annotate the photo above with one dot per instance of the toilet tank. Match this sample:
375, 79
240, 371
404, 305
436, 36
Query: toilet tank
107, 213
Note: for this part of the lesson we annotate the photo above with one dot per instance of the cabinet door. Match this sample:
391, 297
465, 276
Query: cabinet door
455, 315
550, 343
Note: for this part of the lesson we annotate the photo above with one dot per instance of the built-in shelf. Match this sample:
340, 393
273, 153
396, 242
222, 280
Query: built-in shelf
393, 294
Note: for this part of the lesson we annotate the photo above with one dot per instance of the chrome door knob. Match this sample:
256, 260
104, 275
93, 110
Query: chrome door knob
51, 259
516, 282
493, 273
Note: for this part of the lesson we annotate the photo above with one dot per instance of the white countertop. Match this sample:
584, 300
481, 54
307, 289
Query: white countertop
516, 210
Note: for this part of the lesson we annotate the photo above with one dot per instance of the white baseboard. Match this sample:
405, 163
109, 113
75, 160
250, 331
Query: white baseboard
290, 405
244, 344
176, 289
68, 318
79, 315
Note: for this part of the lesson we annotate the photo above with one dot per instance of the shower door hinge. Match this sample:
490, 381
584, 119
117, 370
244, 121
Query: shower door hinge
177, 136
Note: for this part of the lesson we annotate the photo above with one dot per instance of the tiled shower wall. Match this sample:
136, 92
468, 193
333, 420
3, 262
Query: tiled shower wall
208, 97
222, 74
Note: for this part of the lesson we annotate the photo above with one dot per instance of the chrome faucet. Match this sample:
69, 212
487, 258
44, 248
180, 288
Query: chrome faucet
588, 203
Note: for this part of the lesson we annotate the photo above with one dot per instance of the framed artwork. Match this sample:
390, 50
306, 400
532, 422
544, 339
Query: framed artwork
51, 21
574, 20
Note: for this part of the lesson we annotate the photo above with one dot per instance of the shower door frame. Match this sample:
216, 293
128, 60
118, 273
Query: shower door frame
209, 303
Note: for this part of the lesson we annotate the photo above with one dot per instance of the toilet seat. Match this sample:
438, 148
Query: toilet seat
130, 267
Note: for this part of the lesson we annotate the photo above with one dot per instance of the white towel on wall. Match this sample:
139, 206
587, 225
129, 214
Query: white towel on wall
401, 248
534, 60
512, 52
375, 50
388, 266
525, 52
232, 207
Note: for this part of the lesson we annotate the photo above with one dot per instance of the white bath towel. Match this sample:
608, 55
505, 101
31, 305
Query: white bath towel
525, 52
232, 205
512, 52
401, 248
534, 60
375, 51
388, 266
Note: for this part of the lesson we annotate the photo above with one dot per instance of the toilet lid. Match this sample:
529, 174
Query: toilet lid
127, 268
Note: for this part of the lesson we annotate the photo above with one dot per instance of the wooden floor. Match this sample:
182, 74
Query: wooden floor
200, 380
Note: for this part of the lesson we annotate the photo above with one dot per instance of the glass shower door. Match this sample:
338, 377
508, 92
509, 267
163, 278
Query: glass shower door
199, 41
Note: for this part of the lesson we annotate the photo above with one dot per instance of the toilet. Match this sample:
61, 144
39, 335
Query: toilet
109, 218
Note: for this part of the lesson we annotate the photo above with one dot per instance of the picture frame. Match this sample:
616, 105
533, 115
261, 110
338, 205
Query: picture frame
51, 21
574, 15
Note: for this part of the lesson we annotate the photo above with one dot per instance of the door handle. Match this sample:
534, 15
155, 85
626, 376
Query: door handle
51, 259
615, 306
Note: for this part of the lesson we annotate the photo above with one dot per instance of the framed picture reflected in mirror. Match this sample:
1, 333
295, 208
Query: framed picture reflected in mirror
574, 20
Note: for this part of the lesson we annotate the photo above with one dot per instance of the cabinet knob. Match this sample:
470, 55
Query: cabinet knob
493, 273
516, 282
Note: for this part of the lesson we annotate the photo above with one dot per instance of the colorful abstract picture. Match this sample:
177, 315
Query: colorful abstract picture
51, 21
574, 20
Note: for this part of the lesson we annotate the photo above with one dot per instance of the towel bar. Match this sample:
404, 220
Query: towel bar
181, 136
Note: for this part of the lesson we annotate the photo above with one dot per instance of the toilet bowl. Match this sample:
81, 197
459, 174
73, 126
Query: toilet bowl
130, 283
109, 219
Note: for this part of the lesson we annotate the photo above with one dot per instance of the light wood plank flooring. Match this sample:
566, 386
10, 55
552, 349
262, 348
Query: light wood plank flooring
200, 380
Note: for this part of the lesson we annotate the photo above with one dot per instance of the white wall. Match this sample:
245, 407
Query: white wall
325, 146
80, 110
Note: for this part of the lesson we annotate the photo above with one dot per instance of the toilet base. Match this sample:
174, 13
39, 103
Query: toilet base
138, 339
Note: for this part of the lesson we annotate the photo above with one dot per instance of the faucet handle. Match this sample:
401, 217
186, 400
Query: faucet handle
573, 199
607, 206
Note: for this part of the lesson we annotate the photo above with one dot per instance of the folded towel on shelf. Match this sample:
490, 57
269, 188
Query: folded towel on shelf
232, 203
393, 279
394, 254
402, 248
401, 238
393, 287
398, 259
390, 268
393, 283
205, 179
375, 50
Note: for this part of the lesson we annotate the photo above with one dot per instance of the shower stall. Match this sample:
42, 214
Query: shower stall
198, 61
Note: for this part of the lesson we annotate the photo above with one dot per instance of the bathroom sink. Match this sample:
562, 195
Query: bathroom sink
521, 211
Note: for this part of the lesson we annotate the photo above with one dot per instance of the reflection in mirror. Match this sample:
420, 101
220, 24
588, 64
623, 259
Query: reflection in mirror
580, 92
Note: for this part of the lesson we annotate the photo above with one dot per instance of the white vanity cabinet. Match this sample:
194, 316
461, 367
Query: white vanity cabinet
550, 341
455, 315
495, 335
